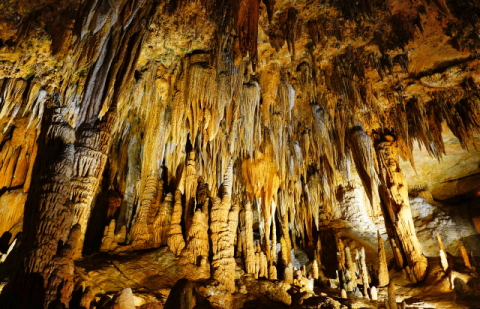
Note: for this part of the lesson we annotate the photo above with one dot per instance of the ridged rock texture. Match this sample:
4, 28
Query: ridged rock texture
226, 152
397, 204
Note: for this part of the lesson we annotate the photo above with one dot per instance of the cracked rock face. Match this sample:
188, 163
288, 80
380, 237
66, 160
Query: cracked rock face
239, 154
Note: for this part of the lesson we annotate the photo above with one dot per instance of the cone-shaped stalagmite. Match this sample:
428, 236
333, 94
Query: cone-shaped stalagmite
161, 221
197, 238
443, 257
89, 162
141, 232
392, 298
383, 277
464, 254
175, 240
224, 220
398, 204
191, 184
350, 275
364, 272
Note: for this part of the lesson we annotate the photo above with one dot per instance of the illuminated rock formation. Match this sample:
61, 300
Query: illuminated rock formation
443, 257
162, 221
392, 299
201, 136
246, 225
224, 218
398, 205
383, 277
175, 240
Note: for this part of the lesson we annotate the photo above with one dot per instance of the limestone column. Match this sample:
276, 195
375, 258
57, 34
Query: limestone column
395, 184
48, 214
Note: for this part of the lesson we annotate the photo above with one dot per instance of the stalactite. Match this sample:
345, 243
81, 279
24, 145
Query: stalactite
395, 184
175, 240
362, 153
245, 16
383, 276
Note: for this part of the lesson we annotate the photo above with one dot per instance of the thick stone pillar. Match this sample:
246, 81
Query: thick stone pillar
396, 195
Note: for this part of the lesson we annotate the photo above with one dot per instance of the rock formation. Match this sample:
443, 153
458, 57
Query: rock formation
246, 224
392, 299
383, 277
175, 240
180, 296
201, 136
398, 206
443, 257
224, 220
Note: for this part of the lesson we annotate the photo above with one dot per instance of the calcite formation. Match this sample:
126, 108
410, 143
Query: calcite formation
262, 150
383, 277
398, 207
175, 239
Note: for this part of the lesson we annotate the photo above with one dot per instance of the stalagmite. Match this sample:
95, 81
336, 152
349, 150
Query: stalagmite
48, 215
398, 205
383, 277
141, 232
175, 240
224, 220
397, 253
288, 274
60, 273
464, 254
373, 293
364, 272
263, 271
87, 298
340, 254
343, 294
443, 257
180, 296
392, 299
162, 221
315, 270
191, 183
197, 238
272, 271
91, 151
351, 277
109, 242
246, 222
